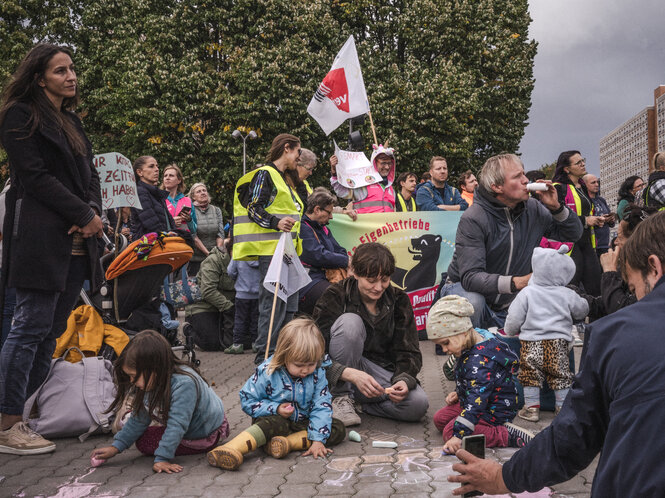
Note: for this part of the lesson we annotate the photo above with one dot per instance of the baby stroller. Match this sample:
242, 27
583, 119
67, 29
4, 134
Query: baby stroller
133, 279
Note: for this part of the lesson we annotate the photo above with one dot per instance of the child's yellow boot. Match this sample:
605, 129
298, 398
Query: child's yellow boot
280, 446
229, 456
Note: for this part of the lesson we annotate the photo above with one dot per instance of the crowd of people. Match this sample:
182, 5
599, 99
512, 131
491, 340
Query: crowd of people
539, 264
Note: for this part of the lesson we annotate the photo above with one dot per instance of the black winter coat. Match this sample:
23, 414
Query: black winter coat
52, 189
153, 217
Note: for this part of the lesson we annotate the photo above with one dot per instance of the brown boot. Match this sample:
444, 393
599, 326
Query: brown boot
229, 456
280, 446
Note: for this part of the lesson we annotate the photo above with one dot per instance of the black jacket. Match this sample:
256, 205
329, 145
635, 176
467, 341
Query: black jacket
614, 407
52, 189
153, 217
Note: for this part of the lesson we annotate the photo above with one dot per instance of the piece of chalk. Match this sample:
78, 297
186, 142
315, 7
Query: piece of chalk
384, 444
354, 436
96, 462
536, 187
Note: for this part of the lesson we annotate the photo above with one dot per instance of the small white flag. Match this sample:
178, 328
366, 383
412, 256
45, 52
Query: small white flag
286, 267
341, 95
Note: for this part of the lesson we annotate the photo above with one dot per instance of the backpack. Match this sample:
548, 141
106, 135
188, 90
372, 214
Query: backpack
73, 398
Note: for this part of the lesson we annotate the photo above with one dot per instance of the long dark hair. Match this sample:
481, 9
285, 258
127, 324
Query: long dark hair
23, 86
560, 175
626, 187
150, 354
279, 142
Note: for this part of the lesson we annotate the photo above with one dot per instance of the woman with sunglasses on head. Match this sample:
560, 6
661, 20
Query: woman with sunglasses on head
265, 205
51, 227
570, 168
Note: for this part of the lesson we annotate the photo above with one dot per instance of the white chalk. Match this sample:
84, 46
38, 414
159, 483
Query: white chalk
384, 444
536, 187
96, 462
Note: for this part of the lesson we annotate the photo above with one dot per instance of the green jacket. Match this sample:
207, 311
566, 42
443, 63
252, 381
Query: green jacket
215, 283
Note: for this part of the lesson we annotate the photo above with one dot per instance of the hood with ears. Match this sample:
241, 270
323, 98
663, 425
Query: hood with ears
551, 267
390, 152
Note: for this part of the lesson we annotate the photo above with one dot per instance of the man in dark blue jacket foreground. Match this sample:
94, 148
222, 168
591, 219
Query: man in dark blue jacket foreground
615, 404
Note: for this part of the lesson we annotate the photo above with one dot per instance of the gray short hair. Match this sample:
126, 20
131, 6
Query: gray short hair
493, 170
194, 187
307, 156
321, 198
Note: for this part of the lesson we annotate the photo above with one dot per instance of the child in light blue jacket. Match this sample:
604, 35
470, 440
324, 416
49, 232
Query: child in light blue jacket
248, 282
288, 400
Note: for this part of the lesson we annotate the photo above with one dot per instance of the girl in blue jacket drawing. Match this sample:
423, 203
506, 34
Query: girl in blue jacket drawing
288, 400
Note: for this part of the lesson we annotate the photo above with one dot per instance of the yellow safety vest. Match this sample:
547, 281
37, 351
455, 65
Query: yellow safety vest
309, 189
251, 240
574, 202
402, 202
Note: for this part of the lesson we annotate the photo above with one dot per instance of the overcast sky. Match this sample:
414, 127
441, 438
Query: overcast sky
597, 65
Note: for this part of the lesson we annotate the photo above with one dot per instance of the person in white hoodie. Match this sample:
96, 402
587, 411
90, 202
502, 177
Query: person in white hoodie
543, 314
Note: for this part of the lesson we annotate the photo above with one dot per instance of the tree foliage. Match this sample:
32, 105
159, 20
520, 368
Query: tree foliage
174, 78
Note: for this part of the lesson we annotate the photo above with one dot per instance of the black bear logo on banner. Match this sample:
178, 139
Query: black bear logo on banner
426, 250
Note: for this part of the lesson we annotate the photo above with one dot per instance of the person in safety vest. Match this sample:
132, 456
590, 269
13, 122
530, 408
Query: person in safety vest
265, 205
572, 191
436, 194
406, 188
378, 197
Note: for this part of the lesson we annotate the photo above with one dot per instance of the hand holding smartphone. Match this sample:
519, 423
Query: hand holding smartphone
476, 446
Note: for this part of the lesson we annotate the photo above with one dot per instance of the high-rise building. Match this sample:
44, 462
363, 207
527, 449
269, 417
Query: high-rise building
628, 149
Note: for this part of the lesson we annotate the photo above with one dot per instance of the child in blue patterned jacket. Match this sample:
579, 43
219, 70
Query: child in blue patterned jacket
288, 400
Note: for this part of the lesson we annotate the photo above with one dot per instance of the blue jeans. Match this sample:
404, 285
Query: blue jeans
39, 319
284, 312
8, 313
483, 317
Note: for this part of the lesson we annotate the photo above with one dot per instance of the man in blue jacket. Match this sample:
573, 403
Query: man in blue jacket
615, 404
436, 194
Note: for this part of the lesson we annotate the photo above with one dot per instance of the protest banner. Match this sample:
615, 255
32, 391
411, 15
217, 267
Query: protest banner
422, 242
117, 181
342, 94
354, 169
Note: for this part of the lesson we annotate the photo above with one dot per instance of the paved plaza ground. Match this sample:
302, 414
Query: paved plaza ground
415, 468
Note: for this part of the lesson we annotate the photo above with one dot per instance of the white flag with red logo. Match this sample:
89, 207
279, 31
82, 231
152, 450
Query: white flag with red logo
341, 95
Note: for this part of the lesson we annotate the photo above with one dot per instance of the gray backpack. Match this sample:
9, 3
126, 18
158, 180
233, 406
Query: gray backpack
73, 398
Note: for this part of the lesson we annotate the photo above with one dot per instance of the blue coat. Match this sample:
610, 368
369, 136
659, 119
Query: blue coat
614, 407
428, 197
263, 393
320, 251
485, 384
153, 215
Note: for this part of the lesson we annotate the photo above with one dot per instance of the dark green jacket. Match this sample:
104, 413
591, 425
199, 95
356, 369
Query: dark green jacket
215, 283
392, 339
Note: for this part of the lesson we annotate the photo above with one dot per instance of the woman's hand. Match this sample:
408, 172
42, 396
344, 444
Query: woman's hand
452, 445
285, 410
365, 383
104, 453
286, 224
595, 221
94, 227
398, 391
167, 467
452, 398
333, 165
317, 450
186, 216
178, 220
609, 260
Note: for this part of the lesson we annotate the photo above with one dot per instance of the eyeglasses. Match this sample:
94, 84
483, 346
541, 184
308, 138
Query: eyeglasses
308, 168
580, 162
330, 213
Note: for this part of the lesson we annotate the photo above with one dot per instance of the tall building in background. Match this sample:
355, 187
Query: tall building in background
628, 149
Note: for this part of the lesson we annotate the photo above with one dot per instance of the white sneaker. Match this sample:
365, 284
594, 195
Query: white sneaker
20, 439
344, 411
577, 341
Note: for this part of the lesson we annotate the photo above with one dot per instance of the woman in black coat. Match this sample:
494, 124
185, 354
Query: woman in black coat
153, 215
50, 229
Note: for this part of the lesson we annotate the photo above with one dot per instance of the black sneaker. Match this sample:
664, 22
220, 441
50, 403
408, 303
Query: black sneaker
517, 436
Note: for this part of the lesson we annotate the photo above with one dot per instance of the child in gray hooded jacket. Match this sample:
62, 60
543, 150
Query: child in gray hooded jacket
543, 314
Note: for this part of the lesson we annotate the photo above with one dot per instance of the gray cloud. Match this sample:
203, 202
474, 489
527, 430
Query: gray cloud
597, 65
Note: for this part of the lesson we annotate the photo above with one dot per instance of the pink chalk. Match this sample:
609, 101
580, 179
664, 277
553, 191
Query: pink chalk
96, 462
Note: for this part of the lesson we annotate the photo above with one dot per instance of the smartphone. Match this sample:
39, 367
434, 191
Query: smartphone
186, 210
476, 446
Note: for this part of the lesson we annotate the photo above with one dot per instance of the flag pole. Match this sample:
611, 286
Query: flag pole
272, 313
371, 123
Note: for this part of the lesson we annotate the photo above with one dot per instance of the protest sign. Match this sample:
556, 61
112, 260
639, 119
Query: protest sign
354, 169
117, 181
422, 243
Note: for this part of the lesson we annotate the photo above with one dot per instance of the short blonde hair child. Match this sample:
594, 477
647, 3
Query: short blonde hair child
300, 341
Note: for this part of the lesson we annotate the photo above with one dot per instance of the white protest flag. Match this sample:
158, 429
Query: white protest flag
286, 268
341, 95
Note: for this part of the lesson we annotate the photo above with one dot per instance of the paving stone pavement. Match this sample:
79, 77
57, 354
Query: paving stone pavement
415, 468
